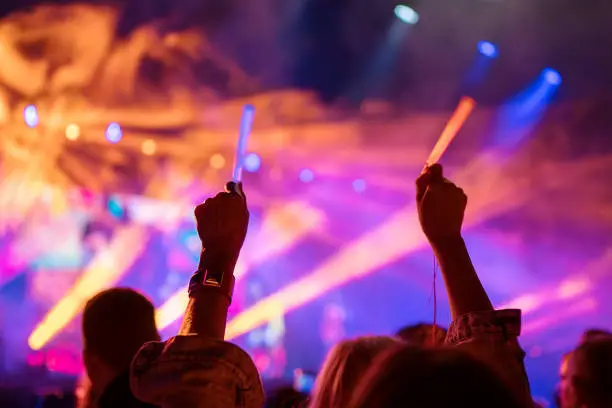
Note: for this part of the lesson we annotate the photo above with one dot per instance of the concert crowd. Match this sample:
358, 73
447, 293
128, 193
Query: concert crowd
477, 362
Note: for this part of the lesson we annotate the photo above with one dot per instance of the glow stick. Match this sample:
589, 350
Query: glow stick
246, 123
465, 107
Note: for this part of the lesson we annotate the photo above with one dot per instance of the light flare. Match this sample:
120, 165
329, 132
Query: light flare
104, 270
577, 309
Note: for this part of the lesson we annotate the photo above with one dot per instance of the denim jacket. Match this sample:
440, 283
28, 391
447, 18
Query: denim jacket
492, 336
192, 372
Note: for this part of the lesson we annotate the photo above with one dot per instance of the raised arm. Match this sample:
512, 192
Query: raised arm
488, 334
441, 206
222, 226
196, 368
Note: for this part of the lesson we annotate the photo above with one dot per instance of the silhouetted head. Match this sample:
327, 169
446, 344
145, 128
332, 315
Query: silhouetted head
116, 323
563, 389
431, 377
589, 375
594, 334
344, 367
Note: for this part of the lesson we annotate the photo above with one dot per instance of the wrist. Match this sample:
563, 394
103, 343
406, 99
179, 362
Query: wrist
445, 243
216, 260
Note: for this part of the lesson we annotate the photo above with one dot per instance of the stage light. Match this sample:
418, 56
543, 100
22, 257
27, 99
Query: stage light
487, 49
73, 132
359, 185
406, 14
306, 176
217, 161
114, 133
30, 115
551, 76
149, 147
252, 162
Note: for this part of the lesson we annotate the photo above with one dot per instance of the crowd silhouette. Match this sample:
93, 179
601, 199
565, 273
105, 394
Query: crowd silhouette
477, 362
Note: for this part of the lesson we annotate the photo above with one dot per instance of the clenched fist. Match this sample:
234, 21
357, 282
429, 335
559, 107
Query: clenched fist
222, 223
441, 205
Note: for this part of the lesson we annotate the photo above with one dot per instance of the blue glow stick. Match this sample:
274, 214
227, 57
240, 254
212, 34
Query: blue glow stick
246, 123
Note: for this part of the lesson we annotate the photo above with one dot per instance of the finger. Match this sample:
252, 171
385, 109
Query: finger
200, 208
463, 198
235, 188
436, 173
422, 182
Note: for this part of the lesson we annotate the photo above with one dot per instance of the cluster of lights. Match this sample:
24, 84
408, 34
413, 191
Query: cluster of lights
252, 162
487, 49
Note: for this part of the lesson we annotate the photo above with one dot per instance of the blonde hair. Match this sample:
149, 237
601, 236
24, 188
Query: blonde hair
344, 366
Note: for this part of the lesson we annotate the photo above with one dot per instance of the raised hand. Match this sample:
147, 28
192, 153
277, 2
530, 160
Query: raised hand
222, 223
441, 205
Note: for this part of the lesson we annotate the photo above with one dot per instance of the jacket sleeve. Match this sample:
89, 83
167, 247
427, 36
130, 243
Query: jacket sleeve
492, 336
193, 372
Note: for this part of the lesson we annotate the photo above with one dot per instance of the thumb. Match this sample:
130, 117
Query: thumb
235, 188
436, 172
422, 182
430, 175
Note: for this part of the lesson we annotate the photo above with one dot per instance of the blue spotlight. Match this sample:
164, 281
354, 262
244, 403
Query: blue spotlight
252, 162
114, 133
359, 185
306, 176
30, 116
488, 49
520, 115
406, 14
551, 76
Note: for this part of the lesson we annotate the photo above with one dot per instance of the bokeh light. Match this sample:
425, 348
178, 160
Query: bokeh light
115, 207
30, 116
73, 131
149, 147
359, 185
306, 176
252, 162
552, 76
114, 133
406, 14
217, 161
488, 49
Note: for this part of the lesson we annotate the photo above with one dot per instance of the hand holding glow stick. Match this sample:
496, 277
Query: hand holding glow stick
465, 107
211, 276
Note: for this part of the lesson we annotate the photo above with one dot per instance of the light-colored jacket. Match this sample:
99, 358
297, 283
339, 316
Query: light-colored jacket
196, 372
492, 337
